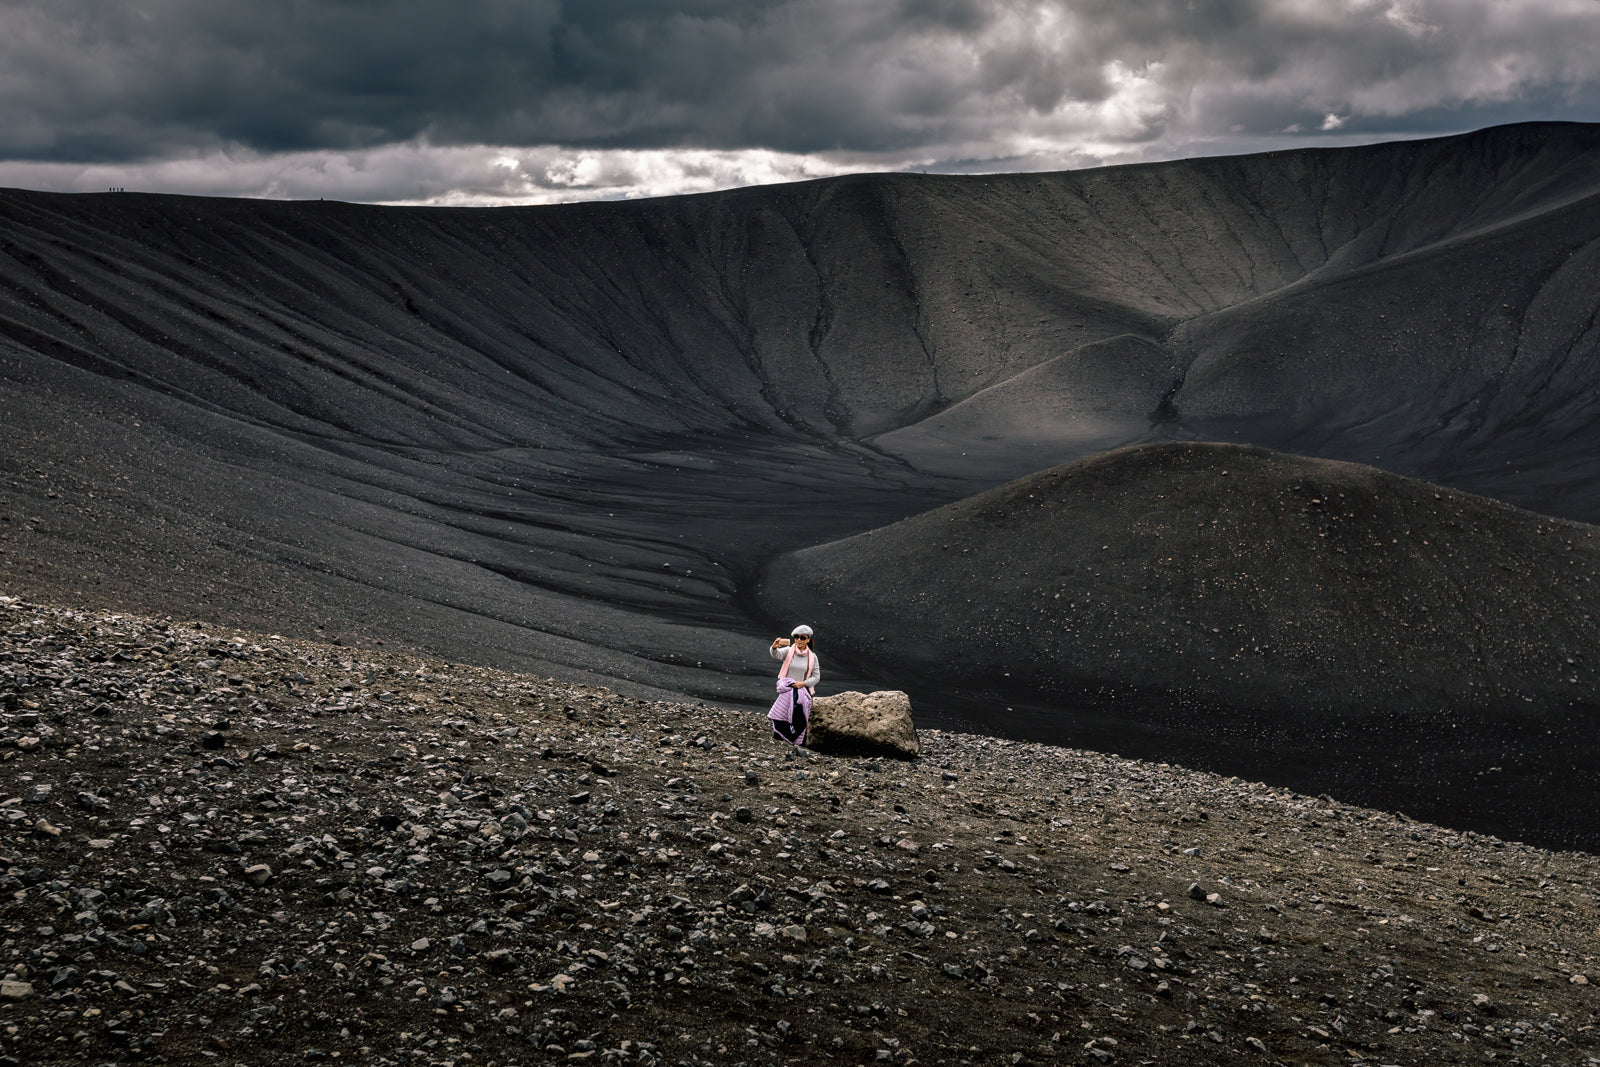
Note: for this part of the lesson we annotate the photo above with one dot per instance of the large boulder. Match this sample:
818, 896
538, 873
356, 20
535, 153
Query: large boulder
863, 724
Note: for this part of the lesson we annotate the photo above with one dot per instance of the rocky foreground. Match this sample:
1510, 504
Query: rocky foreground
234, 848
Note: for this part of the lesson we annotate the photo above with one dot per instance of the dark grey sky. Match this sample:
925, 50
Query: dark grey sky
458, 101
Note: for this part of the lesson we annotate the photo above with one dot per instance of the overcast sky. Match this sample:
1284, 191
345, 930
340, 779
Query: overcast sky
533, 101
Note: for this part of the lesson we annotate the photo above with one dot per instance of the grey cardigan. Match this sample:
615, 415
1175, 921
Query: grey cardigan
797, 669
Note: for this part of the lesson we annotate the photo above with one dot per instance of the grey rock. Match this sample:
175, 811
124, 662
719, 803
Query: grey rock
870, 724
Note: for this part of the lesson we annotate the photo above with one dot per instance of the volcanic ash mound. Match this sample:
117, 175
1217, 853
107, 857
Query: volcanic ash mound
1235, 576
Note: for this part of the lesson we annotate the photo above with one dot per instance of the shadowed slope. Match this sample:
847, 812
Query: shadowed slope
1231, 574
1469, 359
1274, 608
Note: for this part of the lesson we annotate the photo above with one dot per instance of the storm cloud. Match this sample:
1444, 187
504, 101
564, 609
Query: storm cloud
422, 101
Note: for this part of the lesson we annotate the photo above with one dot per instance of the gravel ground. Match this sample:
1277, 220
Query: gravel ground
225, 847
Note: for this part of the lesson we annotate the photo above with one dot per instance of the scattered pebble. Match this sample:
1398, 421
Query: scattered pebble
396, 858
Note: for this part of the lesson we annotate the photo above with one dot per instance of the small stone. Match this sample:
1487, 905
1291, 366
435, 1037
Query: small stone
421, 944
10, 989
258, 874
1195, 892
499, 879
1579, 979
742, 814
28, 744
578, 798
213, 740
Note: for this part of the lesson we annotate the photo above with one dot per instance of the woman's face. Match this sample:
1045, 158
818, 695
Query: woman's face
802, 641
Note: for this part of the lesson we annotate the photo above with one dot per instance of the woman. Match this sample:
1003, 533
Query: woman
797, 680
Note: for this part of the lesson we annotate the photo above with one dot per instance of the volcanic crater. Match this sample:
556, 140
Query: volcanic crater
569, 440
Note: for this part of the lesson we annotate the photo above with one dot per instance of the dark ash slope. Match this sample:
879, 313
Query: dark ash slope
566, 438
1264, 611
